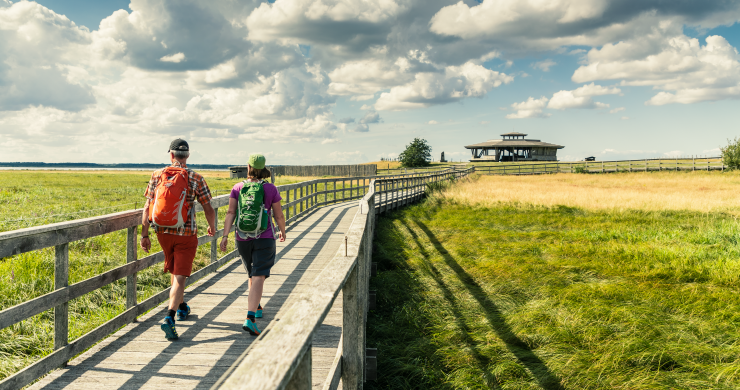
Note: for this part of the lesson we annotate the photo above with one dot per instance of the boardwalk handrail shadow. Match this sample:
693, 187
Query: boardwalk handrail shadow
306, 197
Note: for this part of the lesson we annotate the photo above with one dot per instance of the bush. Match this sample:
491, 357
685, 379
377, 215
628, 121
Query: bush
417, 154
731, 154
580, 170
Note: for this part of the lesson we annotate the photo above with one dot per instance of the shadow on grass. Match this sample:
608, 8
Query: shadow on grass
545, 378
483, 362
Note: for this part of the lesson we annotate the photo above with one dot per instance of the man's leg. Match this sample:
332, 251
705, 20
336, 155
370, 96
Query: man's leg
177, 292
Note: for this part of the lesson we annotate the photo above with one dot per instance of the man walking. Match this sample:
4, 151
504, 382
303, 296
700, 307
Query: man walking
170, 209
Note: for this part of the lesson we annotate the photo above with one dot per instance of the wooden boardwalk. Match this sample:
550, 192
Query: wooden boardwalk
211, 340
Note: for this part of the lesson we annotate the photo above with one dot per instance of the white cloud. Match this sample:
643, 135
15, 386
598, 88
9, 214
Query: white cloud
616, 110
174, 58
544, 65
681, 67
454, 84
624, 118
346, 157
485, 122
531, 108
432, 122
674, 153
581, 97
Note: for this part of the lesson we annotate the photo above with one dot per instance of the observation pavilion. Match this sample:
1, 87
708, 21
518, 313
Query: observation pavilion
514, 147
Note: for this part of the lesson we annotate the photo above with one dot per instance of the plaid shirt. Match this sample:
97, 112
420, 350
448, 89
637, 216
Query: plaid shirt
198, 189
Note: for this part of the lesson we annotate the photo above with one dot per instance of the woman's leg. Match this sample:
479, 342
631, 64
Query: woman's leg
255, 292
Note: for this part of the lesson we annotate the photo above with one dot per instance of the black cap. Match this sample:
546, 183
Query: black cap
179, 144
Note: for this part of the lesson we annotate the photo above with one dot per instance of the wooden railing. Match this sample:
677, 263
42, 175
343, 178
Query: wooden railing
648, 165
281, 357
298, 200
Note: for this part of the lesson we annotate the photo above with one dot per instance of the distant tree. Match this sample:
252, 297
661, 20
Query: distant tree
417, 154
731, 154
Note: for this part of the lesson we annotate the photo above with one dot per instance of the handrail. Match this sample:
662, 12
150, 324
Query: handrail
306, 197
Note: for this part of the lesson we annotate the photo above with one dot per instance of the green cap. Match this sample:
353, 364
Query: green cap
256, 161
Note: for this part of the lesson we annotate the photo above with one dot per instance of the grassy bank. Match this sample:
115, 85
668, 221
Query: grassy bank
527, 293
31, 198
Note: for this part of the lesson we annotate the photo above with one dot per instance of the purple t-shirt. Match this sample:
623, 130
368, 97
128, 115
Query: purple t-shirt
271, 196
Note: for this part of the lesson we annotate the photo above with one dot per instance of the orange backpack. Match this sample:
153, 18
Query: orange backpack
170, 207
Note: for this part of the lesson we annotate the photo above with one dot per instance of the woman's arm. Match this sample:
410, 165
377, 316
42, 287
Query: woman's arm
277, 212
230, 217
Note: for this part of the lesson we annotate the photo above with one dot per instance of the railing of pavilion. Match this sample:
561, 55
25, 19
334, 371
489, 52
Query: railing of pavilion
281, 357
647, 165
299, 199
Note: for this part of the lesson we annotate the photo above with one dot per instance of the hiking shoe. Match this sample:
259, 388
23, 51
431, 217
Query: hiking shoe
182, 315
258, 313
168, 326
251, 327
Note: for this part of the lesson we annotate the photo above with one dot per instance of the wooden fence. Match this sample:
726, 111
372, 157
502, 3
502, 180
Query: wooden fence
312, 170
678, 164
306, 196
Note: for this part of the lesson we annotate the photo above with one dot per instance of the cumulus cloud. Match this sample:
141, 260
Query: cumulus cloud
432, 122
681, 67
581, 97
616, 110
531, 108
454, 84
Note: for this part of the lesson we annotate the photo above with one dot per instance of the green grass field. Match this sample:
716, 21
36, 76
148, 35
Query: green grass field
32, 198
514, 295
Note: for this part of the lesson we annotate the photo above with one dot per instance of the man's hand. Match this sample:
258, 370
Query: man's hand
146, 244
224, 241
211, 231
282, 236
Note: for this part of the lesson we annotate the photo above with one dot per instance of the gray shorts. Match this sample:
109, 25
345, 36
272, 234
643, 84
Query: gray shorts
258, 256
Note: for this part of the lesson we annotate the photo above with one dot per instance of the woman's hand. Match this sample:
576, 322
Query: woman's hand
224, 241
282, 236
146, 244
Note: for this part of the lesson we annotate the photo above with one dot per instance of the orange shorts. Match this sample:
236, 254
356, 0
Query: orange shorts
179, 253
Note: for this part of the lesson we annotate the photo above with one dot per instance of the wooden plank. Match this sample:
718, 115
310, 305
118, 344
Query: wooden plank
131, 256
335, 372
61, 281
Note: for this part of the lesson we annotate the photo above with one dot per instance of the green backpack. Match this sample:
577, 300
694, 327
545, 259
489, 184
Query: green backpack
252, 219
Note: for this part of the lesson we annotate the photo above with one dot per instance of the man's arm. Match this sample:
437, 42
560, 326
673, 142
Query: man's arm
210, 217
146, 243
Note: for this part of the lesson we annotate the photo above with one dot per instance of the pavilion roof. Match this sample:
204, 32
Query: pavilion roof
514, 133
509, 143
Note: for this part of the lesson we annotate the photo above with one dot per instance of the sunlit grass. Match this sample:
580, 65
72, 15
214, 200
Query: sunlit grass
530, 293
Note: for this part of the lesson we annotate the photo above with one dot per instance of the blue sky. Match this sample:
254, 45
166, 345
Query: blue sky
346, 81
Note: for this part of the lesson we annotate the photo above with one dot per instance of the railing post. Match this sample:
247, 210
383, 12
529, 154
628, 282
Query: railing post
214, 240
131, 256
61, 280
300, 207
352, 333
287, 209
295, 197
326, 192
301, 379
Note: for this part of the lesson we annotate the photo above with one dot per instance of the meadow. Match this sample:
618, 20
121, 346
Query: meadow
615, 281
32, 198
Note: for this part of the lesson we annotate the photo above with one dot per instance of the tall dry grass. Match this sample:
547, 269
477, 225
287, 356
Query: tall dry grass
653, 191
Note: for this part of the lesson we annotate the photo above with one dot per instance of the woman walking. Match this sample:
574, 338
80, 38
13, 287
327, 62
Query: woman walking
257, 250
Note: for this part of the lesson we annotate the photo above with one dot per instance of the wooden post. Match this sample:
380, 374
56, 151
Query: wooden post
131, 256
301, 379
214, 239
300, 207
287, 209
352, 333
295, 197
61, 280
693, 163
326, 191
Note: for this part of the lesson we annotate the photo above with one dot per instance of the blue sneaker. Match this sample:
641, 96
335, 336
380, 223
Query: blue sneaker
168, 326
258, 313
182, 315
251, 327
